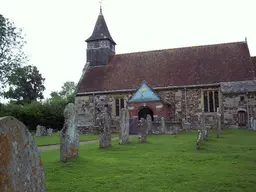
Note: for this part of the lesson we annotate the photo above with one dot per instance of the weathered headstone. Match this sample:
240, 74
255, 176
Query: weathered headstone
103, 119
69, 137
149, 124
49, 131
218, 123
253, 123
41, 131
20, 164
38, 130
163, 126
142, 130
203, 128
185, 124
124, 127
198, 139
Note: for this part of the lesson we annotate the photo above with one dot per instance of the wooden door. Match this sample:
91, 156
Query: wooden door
241, 118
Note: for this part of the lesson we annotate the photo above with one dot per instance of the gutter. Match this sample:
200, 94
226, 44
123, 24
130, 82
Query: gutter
156, 88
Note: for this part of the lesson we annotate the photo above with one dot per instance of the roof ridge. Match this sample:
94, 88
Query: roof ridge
195, 46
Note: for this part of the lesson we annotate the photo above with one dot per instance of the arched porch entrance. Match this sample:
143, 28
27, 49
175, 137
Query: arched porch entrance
144, 111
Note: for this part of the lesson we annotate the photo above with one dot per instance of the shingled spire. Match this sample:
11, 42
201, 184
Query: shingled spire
100, 45
100, 31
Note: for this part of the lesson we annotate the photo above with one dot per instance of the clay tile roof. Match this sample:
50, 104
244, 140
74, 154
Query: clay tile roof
172, 67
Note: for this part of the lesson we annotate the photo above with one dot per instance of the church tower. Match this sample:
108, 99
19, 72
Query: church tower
100, 45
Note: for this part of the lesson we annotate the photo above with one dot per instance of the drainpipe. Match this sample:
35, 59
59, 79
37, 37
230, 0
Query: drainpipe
248, 115
186, 107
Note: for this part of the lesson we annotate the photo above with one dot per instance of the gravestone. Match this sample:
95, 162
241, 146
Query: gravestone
20, 164
49, 132
41, 131
103, 120
124, 127
69, 137
203, 128
253, 123
142, 130
163, 126
198, 139
218, 129
185, 124
149, 124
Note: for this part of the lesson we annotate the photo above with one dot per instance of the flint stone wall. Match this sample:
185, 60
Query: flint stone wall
232, 103
20, 164
229, 103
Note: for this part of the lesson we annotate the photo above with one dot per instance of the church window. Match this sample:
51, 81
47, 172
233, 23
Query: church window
119, 105
211, 101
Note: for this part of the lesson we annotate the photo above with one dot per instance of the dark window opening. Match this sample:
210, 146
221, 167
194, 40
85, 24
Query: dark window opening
122, 103
117, 107
211, 101
205, 101
216, 98
242, 98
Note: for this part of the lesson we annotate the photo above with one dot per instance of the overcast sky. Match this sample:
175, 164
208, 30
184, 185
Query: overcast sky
56, 29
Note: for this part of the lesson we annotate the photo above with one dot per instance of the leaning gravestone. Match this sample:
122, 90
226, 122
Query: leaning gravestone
103, 119
20, 164
124, 127
218, 123
69, 137
142, 130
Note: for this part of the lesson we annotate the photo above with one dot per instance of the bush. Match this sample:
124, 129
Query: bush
48, 113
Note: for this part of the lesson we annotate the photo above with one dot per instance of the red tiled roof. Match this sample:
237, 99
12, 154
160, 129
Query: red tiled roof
172, 67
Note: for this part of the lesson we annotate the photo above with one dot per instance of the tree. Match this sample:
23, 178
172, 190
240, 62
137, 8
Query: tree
25, 84
68, 91
68, 88
11, 45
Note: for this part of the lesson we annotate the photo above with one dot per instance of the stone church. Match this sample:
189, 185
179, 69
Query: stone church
177, 84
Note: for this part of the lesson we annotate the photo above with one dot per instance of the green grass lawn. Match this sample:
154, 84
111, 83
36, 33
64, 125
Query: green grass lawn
55, 139
165, 163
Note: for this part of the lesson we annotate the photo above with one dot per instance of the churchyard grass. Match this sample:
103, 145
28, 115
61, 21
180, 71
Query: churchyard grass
55, 139
165, 163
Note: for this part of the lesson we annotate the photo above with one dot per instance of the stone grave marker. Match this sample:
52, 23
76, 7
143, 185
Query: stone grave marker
203, 127
143, 130
69, 137
163, 126
149, 124
41, 131
124, 127
185, 124
218, 129
20, 163
103, 119
49, 132
198, 139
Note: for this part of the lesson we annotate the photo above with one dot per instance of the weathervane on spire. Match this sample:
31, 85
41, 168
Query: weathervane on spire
101, 6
